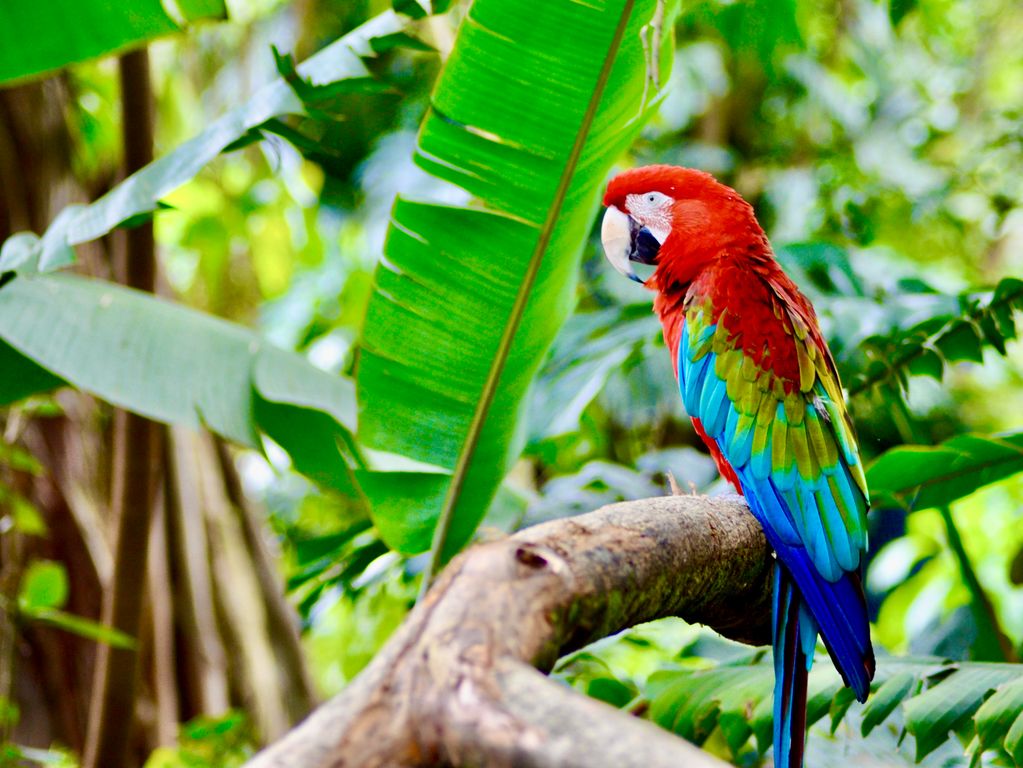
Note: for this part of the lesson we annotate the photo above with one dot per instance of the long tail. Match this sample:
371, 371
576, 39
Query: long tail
792, 631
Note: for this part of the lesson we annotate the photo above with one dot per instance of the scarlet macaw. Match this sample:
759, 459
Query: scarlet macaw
761, 387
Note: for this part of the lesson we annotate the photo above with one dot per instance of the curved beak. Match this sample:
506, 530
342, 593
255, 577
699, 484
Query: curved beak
625, 241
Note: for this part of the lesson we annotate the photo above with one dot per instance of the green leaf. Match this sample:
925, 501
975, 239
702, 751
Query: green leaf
179, 366
929, 363
412, 8
318, 99
757, 30
140, 193
692, 704
897, 10
60, 758
26, 517
950, 704
19, 459
822, 266
886, 698
1014, 740
961, 342
468, 300
18, 252
997, 715
822, 690
44, 585
405, 525
386, 43
310, 550
135, 351
311, 414
610, 690
921, 477
82, 627
36, 38
21, 376
839, 705
195, 9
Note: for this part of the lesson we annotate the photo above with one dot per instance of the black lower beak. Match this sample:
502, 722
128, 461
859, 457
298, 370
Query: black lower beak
644, 246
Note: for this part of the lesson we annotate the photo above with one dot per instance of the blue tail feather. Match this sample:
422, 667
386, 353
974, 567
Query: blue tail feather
791, 666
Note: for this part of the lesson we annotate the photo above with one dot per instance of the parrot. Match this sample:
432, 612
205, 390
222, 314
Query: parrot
761, 387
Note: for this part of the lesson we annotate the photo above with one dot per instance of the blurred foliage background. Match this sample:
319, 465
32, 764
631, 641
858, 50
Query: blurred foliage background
882, 146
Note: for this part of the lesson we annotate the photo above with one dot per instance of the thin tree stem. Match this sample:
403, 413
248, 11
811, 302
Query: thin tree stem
984, 609
136, 457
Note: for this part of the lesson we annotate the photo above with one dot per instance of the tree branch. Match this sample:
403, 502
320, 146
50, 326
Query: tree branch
454, 685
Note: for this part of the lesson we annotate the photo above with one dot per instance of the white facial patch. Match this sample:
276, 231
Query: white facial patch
653, 211
615, 236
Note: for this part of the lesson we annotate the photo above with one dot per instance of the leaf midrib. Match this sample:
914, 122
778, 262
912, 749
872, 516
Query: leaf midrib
446, 517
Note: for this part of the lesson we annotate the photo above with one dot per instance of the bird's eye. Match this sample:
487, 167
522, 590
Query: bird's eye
651, 198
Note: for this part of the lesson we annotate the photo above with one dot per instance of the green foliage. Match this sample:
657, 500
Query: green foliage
76, 625
469, 299
24, 376
80, 29
180, 366
932, 344
922, 477
44, 591
978, 701
140, 193
17, 756
17, 513
411, 8
43, 585
208, 742
590, 348
332, 560
350, 628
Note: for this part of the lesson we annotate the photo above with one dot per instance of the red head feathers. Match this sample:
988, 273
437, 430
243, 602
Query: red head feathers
678, 218
705, 242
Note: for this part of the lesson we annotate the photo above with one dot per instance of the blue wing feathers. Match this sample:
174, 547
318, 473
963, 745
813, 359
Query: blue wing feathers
732, 428
693, 373
844, 549
812, 533
714, 405
760, 461
741, 443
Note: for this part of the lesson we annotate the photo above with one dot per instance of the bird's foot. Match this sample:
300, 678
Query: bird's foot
676, 489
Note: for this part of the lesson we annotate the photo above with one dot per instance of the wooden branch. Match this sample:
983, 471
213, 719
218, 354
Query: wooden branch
455, 684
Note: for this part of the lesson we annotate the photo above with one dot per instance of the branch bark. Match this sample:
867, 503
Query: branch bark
456, 684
